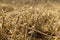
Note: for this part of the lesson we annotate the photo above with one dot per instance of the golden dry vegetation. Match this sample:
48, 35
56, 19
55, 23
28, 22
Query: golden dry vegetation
29, 20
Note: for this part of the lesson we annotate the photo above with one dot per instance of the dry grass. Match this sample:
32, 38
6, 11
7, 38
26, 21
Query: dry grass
30, 21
